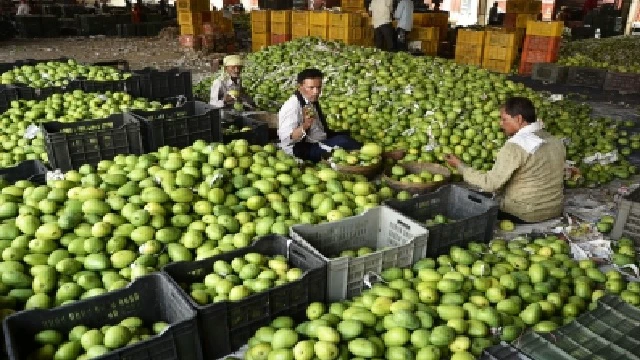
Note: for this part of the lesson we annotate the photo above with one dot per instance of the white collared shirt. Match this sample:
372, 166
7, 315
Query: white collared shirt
289, 118
380, 12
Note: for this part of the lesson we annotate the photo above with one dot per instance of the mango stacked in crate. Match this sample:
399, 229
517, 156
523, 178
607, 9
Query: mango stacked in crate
280, 26
191, 14
260, 29
541, 44
469, 47
500, 50
518, 13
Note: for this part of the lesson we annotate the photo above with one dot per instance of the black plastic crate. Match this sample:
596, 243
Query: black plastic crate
26, 92
179, 126
624, 83
474, 216
129, 86
71, 145
586, 76
157, 84
32, 170
126, 30
258, 135
549, 72
503, 351
152, 298
7, 95
226, 326
120, 64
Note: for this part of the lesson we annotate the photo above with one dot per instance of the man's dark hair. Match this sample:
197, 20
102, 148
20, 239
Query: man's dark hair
309, 74
521, 106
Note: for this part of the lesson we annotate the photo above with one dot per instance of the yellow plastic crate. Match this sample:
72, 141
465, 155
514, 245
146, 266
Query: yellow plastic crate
281, 28
319, 31
545, 28
298, 31
187, 5
424, 33
262, 27
189, 18
352, 4
499, 66
281, 16
522, 19
191, 29
470, 37
299, 17
499, 53
344, 20
500, 38
340, 33
319, 18
260, 16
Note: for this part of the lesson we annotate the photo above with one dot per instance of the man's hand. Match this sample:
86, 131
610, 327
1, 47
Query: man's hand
452, 160
308, 122
228, 99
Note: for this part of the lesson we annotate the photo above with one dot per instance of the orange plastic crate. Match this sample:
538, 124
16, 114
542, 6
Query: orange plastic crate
541, 43
280, 38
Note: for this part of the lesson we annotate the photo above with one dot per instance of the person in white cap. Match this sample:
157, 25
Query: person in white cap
227, 89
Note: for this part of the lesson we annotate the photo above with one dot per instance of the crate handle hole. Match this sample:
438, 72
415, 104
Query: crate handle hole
404, 224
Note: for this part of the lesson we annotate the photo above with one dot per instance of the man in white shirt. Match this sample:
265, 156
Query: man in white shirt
23, 8
227, 89
404, 15
303, 130
380, 11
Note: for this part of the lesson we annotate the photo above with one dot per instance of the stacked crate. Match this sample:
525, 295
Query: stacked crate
469, 47
541, 44
319, 24
190, 18
352, 5
439, 20
299, 24
367, 30
280, 26
260, 29
500, 50
518, 13
424, 39
345, 27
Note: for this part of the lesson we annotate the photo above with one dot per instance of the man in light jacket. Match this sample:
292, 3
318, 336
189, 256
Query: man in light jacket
529, 167
404, 15
23, 8
227, 89
302, 127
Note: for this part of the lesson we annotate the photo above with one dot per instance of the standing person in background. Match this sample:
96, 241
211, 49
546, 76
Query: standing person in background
137, 12
380, 11
23, 8
404, 15
163, 7
493, 14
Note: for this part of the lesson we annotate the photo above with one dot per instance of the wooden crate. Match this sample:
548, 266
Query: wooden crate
523, 19
357, 4
545, 28
349, 33
424, 33
319, 18
189, 18
260, 41
344, 20
500, 37
298, 31
280, 38
300, 18
428, 47
187, 5
281, 16
216, 16
469, 54
499, 53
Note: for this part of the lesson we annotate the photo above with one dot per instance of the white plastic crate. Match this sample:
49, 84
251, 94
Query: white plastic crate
397, 241
628, 220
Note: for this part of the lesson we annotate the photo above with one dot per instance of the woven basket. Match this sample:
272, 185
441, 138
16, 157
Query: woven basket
367, 171
416, 168
270, 118
394, 154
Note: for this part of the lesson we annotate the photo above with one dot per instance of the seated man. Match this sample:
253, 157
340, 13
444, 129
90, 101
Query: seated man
529, 167
303, 130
